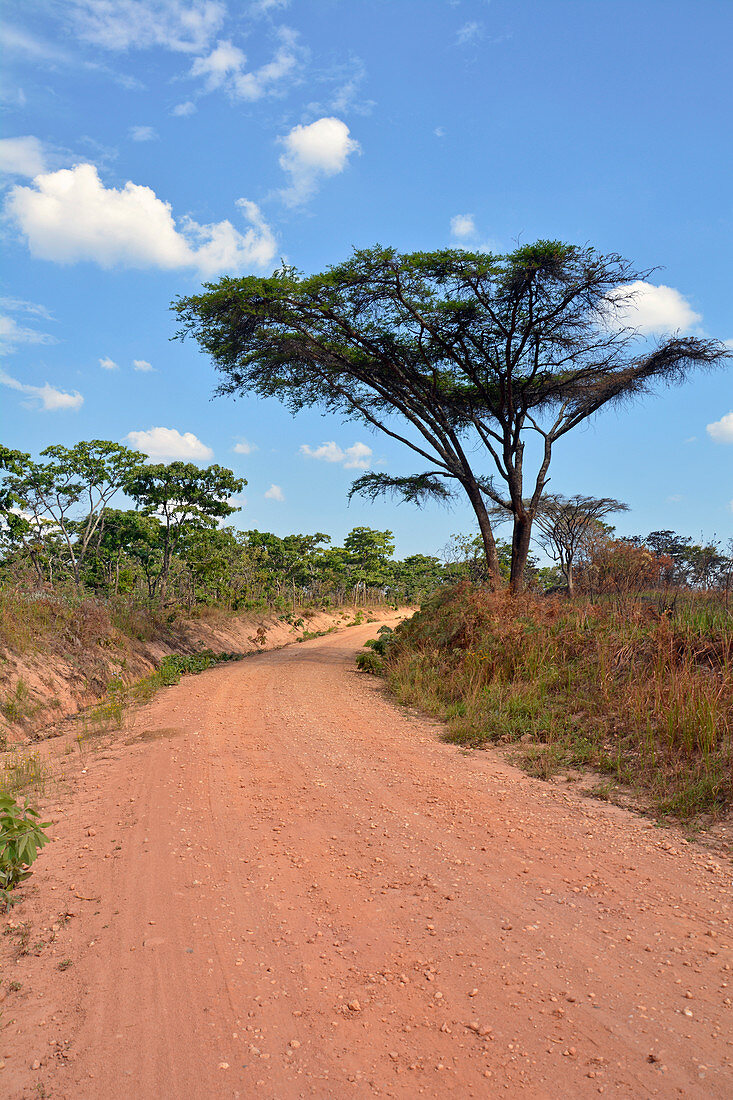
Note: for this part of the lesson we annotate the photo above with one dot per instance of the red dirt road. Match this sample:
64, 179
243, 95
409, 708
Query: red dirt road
283, 887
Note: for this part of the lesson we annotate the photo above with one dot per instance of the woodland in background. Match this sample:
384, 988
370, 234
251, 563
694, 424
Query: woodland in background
60, 533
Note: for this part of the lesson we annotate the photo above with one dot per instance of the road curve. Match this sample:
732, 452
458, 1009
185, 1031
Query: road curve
282, 886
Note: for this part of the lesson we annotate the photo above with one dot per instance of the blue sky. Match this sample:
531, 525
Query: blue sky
152, 144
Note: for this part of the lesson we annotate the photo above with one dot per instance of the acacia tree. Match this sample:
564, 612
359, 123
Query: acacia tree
563, 525
458, 355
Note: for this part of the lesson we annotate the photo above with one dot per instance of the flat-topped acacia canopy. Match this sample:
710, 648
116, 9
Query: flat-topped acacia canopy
444, 351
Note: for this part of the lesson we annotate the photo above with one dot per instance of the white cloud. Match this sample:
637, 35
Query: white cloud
721, 431
264, 7
108, 364
225, 67
463, 226
653, 310
275, 493
15, 40
43, 397
244, 447
143, 133
312, 152
439, 131
183, 110
12, 333
20, 305
69, 215
220, 63
169, 444
356, 457
184, 26
21, 156
469, 32
142, 365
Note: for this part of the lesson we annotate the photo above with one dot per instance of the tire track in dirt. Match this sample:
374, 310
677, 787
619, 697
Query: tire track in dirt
304, 893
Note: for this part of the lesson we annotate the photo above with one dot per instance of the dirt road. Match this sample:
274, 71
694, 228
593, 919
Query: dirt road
281, 886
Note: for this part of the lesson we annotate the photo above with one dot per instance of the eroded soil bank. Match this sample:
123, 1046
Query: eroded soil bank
70, 665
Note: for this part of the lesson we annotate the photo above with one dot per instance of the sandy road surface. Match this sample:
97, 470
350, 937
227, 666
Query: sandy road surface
283, 887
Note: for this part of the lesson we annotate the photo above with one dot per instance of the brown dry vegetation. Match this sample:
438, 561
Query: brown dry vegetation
643, 698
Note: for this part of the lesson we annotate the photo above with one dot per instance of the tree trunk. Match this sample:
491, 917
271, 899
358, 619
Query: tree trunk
520, 550
487, 535
570, 578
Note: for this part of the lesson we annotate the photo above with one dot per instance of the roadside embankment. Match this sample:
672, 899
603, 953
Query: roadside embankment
59, 657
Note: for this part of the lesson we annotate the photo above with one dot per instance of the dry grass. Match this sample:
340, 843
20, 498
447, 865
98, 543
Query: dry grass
634, 694
59, 622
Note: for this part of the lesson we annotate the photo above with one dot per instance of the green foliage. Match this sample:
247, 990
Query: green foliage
369, 662
21, 838
173, 667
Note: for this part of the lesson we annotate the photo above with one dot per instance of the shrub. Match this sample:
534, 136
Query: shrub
369, 662
21, 837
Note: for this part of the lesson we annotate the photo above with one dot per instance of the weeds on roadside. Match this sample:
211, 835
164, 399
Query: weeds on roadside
641, 698
18, 703
108, 715
21, 772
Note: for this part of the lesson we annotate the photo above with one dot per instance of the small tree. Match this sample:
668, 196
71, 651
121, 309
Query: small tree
458, 355
182, 496
564, 524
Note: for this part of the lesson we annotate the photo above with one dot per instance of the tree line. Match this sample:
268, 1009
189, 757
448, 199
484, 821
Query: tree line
60, 527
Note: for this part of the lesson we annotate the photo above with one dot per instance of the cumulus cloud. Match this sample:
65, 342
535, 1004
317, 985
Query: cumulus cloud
183, 110
312, 153
463, 226
653, 310
183, 26
21, 156
168, 444
226, 67
108, 364
275, 493
439, 131
69, 215
244, 447
143, 133
142, 365
45, 397
721, 431
220, 63
356, 457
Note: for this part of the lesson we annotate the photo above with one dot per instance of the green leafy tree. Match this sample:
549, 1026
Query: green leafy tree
182, 497
369, 557
126, 542
460, 356
69, 491
416, 576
